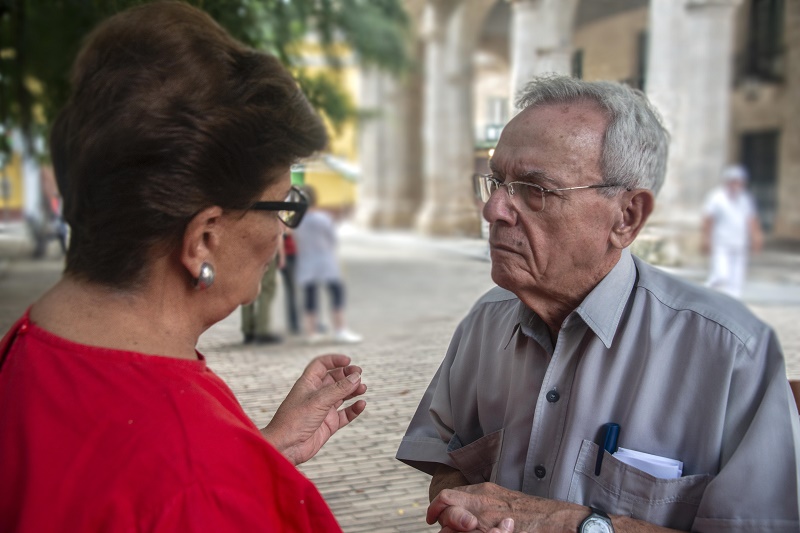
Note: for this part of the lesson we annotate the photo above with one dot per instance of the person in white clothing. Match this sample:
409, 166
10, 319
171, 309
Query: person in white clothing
730, 230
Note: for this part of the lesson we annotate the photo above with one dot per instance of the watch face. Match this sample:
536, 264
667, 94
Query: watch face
595, 524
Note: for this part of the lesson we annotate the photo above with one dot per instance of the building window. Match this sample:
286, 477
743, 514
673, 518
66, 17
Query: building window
759, 152
577, 64
497, 115
765, 51
641, 61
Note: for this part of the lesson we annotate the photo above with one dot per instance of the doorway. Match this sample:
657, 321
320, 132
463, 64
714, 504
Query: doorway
760, 157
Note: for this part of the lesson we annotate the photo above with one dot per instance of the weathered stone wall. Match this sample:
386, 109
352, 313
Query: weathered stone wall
610, 45
764, 106
788, 222
691, 59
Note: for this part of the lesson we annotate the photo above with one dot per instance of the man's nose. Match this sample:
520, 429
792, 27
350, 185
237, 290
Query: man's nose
499, 208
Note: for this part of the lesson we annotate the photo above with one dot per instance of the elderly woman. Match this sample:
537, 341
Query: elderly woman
173, 155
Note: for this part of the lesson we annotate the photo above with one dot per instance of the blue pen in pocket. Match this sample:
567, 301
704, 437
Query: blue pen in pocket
610, 436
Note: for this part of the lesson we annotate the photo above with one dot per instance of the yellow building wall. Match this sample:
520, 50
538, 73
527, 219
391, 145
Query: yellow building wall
345, 143
334, 190
13, 173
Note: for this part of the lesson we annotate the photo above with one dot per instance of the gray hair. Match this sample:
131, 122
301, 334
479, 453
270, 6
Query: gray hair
634, 152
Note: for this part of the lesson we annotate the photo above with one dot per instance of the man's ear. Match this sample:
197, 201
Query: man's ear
635, 209
200, 239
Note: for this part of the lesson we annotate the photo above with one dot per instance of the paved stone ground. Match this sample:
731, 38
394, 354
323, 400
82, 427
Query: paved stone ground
406, 295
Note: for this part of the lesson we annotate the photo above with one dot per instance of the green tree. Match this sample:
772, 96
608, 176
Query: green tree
39, 40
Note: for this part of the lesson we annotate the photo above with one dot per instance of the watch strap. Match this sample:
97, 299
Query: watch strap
597, 513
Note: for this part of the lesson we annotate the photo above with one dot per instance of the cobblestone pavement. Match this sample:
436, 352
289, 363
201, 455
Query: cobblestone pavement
405, 295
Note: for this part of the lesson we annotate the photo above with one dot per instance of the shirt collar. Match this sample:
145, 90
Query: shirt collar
531, 325
602, 309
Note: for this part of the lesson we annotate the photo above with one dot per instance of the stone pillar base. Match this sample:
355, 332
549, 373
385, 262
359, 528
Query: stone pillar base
673, 243
368, 214
397, 216
452, 221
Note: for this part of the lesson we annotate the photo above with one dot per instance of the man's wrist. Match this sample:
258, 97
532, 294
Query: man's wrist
445, 477
597, 521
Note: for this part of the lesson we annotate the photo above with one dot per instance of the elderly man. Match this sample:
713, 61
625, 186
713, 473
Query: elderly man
580, 334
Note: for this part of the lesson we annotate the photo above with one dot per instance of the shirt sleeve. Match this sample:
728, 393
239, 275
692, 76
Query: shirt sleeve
425, 443
758, 474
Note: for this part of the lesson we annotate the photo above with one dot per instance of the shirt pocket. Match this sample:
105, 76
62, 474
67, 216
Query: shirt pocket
622, 489
477, 460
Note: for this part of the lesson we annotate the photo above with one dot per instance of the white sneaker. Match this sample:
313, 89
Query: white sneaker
348, 337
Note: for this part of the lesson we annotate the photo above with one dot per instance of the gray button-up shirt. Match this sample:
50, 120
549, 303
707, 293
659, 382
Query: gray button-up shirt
687, 373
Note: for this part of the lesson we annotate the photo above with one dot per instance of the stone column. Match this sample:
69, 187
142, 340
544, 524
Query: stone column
689, 80
400, 176
554, 50
386, 197
788, 219
663, 86
690, 68
448, 207
371, 142
541, 40
525, 16
707, 85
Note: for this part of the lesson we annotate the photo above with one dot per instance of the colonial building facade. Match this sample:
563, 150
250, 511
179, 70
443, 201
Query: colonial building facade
725, 75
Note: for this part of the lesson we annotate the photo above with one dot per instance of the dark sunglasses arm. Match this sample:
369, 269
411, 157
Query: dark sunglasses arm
280, 206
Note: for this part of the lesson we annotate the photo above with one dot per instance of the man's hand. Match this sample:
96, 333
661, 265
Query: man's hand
705, 236
483, 507
505, 526
756, 235
310, 413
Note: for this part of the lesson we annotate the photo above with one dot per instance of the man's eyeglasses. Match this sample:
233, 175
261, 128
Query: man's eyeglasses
531, 194
290, 210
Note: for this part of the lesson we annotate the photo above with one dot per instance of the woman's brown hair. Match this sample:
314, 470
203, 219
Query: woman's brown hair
168, 115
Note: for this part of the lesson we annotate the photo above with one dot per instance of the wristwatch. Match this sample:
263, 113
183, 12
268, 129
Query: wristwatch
597, 522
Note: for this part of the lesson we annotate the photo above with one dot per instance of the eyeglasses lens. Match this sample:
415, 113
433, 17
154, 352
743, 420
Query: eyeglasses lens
531, 195
528, 194
290, 217
486, 187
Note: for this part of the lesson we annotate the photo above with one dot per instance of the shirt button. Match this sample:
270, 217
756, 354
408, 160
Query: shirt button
23, 328
553, 396
540, 471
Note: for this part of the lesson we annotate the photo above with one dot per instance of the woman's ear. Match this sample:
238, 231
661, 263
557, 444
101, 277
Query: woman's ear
201, 239
635, 209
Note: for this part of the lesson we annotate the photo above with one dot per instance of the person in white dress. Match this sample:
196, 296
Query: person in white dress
730, 231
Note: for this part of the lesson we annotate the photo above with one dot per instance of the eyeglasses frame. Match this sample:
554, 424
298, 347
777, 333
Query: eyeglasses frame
297, 207
510, 187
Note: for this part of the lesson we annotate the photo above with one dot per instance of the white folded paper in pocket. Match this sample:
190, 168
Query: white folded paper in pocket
655, 465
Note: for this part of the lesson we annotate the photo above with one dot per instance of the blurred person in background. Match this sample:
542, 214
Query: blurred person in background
731, 229
288, 273
318, 264
173, 157
257, 315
